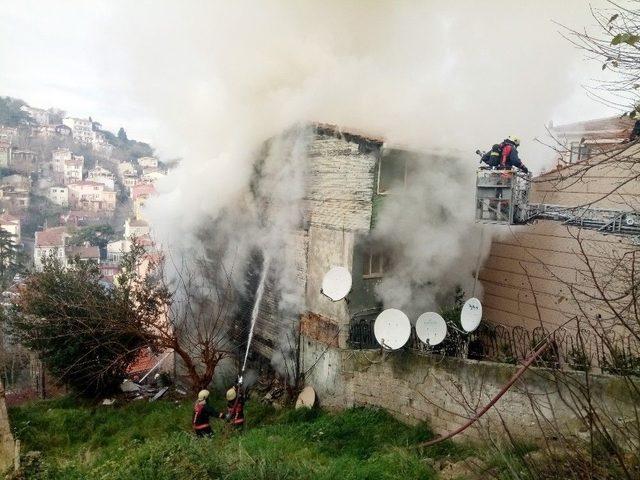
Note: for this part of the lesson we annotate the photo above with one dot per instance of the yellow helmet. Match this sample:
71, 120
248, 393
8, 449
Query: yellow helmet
515, 140
203, 395
231, 394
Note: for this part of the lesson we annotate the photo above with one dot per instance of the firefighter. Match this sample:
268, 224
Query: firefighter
202, 413
509, 154
235, 406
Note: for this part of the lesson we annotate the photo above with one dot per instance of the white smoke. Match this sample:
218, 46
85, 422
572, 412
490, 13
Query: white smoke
223, 77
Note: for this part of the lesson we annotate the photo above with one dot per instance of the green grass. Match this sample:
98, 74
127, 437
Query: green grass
145, 441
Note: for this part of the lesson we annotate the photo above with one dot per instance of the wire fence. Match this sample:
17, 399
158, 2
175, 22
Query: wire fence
572, 349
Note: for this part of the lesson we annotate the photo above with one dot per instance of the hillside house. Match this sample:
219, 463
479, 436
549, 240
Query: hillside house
11, 224
5, 153
14, 198
102, 175
59, 157
24, 161
50, 243
86, 253
51, 131
59, 195
148, 162
91, 196
73, 170
39, 115
8, 134
139, 194
81, 128
582, 140
127, 168
134, 227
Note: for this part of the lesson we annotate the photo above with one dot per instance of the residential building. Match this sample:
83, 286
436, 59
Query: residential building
582, 140
91, 196
50, 243
14, 198
139, 194
59, 195
134, 228
11, 224
152, 176
148, 162
5, 153
51, 131
59, 157
8, 134
101, 175
39, 115
73, 170
85, 253
130, 181
127, 168
82, 129
24, 161
116, 250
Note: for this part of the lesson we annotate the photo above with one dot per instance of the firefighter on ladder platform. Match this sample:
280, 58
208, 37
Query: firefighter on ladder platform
504, 155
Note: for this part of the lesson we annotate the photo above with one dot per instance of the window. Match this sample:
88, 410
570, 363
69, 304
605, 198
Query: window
579, 152
373, 263
394, 171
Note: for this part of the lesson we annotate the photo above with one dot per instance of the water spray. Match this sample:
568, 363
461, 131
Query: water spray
254, 312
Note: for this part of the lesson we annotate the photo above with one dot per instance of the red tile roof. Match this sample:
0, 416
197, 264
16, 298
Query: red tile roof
142, 189
51, 237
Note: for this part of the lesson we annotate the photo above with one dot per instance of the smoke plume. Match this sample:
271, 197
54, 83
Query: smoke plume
224, 77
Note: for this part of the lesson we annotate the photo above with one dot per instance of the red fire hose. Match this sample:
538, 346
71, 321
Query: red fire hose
523, 368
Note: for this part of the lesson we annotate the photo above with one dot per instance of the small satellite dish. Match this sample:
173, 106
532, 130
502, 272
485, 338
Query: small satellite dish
431, 328
471, 314
336, 283
392, 329
307, 398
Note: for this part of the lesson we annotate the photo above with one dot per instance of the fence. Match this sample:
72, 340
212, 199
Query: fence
575, 349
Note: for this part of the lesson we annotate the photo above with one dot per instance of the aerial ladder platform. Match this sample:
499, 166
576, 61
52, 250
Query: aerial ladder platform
502, 197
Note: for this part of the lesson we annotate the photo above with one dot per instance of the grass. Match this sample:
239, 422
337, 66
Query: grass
145, 441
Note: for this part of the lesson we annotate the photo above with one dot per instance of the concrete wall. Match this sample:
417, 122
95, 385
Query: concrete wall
444, 390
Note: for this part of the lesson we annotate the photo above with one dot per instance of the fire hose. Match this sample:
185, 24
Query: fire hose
523, 368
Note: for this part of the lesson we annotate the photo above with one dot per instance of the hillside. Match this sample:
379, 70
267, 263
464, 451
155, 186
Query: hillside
152, 441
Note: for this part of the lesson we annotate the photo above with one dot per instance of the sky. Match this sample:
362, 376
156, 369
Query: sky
67, 54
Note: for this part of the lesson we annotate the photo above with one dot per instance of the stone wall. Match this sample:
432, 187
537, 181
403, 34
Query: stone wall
445, 390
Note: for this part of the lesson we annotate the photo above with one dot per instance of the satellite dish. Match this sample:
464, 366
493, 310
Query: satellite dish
471, 314
431, 328
392, 329
336, 283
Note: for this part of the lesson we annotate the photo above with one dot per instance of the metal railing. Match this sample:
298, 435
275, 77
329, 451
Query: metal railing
573, 349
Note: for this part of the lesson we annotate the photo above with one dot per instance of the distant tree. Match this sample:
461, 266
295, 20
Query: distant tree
11, 113
12, 259
122, 135
96, 235
87, 332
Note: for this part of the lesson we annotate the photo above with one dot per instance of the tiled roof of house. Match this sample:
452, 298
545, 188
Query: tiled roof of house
142, 189
86, 183
51, 237
604, 128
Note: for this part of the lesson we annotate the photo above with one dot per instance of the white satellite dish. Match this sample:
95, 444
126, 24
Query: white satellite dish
392, 329
471, 314
336, 283
431, 328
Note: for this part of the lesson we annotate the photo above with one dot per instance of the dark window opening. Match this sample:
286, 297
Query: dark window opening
579, 152
373, 263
